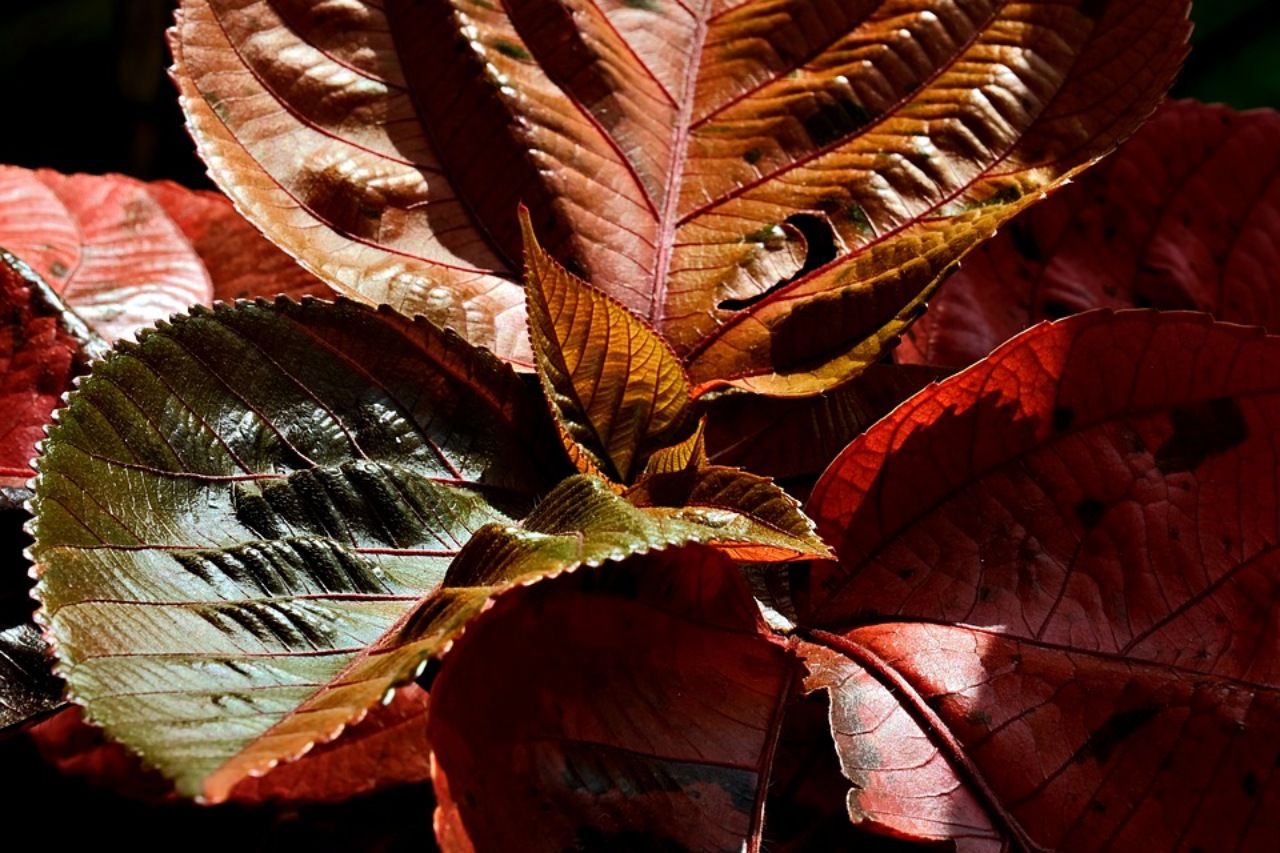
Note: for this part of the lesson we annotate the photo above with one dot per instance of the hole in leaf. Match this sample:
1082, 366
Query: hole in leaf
820, 249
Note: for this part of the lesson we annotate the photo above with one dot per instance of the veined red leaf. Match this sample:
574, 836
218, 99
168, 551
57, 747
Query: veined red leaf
773, 186
653, 730
234, 514
1185, 215
1062, 563
242, 264
616, 389
42, 348
124, 254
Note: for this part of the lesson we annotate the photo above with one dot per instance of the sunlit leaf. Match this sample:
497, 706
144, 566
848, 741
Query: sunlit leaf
653, 731
234, 514
241, 263
1065, 553
1185, 216
616, 389
773, 186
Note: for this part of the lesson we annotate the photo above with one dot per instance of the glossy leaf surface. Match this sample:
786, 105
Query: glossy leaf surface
773, 186
234, 515
616, 389
653, 730
1185, 216
1062, 563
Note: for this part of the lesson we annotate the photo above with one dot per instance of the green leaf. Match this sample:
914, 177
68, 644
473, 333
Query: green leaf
617, 390
583, 523
234, 514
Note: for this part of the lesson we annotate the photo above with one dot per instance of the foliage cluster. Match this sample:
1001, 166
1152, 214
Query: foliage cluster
567, 442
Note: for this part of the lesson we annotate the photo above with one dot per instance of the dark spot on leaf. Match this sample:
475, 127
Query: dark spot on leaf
1093, 8
1062, 418
1098, 806
1174, 533
1090, 511
1199, 432
835, 119
647, 5
1115, 731
906, 574
511, 49
986, 593
59, 269
1025, 242
592, 838
752, 155
857, 215
1055, 310
978, 717
1250, 784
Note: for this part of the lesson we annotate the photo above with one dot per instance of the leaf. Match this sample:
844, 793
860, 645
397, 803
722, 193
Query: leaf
133, 265
242, 264
28, 688
616, 389
795, 439
234, 514
654, 730
388, 747
1064, 552
124, 254
773, 189
42, 348
1183, 216
767, 523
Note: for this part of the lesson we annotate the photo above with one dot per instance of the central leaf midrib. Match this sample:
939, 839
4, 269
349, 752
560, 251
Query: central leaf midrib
669, 218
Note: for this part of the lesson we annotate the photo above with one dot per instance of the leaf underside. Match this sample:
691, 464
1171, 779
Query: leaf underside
772, 187
1065, 552
232, 511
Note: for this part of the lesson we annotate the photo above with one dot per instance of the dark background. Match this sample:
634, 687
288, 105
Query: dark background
83, 88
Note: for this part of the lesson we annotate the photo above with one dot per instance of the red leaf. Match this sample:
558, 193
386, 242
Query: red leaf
135, 266
633, 704
1062, 562
241, 262
387, 748
1185, 215
40, 352
124, 253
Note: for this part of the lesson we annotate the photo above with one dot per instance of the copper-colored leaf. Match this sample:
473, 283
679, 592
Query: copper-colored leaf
753, 518
1185, 215
654, 729
772, 185
1061, 563
616, 389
